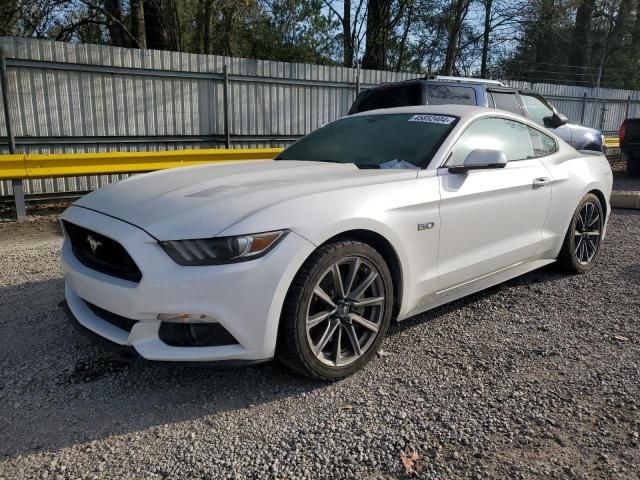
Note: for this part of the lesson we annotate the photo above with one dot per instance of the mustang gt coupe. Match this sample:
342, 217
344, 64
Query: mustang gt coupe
307, 258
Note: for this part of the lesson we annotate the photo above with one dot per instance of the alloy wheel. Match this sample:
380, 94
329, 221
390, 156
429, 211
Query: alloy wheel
587, 233
345, 311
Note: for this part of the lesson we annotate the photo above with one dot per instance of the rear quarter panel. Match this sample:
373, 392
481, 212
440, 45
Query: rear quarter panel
572, 177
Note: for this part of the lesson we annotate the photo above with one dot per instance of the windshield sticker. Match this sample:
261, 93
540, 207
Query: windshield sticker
441, 119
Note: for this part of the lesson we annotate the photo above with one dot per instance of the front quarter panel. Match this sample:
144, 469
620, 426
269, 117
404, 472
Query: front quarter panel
392, 210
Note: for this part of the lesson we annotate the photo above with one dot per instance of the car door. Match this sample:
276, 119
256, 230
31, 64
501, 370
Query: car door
491, 219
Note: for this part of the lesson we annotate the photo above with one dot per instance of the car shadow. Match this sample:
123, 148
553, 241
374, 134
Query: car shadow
59, 388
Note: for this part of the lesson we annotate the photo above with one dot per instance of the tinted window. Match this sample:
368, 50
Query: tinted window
402, 95
506, 101
542, 143
369, 141
511, 137
445, 94
537, 109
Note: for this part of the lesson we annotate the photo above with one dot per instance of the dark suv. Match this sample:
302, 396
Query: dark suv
484, 93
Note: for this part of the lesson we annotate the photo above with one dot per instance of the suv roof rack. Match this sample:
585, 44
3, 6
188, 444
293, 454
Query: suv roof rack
445, 78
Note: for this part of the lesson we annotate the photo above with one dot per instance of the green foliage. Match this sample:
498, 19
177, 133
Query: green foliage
584, 42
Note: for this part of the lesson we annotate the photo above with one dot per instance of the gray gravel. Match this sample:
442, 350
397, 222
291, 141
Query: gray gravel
536, 377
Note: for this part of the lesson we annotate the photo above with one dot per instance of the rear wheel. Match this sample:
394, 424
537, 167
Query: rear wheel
582, 242
337, 311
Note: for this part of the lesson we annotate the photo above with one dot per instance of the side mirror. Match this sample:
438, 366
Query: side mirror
481, 159
556, 120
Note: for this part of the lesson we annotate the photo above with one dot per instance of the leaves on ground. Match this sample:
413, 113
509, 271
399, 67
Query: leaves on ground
412, 462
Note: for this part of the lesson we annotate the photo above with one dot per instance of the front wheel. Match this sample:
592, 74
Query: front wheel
337, 311
582, 242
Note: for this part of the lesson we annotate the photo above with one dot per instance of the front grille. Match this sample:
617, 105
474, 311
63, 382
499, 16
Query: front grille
101, 253
122, 323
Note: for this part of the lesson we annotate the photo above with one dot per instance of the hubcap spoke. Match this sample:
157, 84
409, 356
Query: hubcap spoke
366, 283
353, 338
366, 302
337, 281
337, 346
364, 322
355, 266
326, 336
318, 318
320, 293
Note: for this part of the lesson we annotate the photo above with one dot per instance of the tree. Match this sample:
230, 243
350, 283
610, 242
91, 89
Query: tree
382, 17
454, 19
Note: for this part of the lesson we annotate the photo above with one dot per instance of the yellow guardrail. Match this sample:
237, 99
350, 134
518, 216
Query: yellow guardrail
61, 165
54, 165
612, 142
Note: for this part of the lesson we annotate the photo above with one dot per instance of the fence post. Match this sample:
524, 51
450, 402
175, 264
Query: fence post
604, 109
628, 107
225, 90
17, 185
584, 108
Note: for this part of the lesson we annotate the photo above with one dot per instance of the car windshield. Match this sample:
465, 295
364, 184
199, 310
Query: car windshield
399, 140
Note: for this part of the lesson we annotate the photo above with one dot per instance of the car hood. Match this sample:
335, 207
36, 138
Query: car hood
202, 201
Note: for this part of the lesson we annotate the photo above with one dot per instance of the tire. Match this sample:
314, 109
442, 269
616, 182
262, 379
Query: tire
581, 246
633, 165
317, 315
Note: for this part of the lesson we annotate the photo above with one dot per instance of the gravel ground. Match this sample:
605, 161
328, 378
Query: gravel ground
537, 377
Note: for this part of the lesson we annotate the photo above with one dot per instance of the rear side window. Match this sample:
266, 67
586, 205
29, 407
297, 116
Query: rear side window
506, 101
403, 95
445, 94
542, 143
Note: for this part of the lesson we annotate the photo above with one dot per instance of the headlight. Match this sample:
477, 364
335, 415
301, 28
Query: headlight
219, 250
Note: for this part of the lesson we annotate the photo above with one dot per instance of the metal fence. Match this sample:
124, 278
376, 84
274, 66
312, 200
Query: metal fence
68, 98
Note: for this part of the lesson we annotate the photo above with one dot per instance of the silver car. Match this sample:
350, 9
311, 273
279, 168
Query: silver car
441, 90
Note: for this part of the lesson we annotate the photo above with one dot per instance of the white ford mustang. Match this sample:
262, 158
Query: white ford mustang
307, 258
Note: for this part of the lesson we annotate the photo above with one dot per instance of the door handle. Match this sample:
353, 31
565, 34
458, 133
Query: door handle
541, 182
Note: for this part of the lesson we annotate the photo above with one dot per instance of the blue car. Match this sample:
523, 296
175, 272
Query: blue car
441, 90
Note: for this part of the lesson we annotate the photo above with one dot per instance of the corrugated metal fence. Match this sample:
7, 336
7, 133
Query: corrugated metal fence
67, 98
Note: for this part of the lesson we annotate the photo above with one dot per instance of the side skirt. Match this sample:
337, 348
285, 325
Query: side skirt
467, 288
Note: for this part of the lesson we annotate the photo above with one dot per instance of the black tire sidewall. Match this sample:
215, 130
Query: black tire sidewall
324, 258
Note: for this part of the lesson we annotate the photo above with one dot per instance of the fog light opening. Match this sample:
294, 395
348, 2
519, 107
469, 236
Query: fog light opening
195, 334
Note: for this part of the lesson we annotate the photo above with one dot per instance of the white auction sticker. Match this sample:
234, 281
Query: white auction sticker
442, 119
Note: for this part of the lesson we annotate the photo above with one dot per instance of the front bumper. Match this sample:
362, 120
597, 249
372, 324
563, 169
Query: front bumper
245, 298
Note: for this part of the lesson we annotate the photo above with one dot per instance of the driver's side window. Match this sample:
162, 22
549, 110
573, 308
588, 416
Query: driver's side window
508, 136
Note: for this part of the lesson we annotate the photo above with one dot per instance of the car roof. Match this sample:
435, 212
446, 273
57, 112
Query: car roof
449, 109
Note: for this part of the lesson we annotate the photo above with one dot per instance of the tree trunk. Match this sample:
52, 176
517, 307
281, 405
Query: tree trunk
460, 9
161, 22
9, 16
206, 30
488, 5
375, 54
403, 40
118, 36
137, 20
347, 44
544, 34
